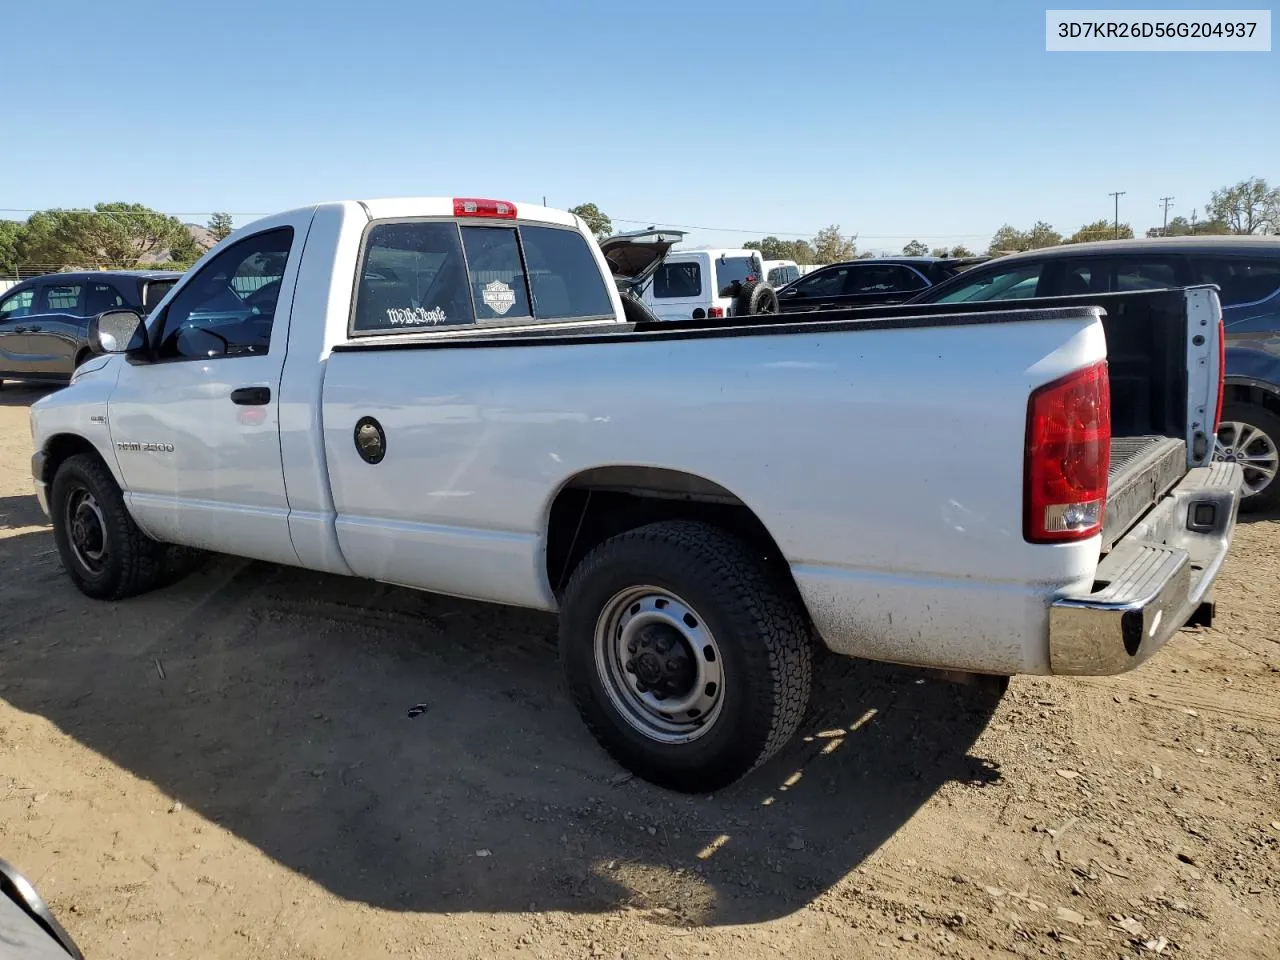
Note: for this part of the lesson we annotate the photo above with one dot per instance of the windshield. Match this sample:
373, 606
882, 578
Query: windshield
731, 270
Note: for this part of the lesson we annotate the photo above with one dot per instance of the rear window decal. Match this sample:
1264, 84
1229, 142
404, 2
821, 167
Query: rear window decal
499, 297
415, 316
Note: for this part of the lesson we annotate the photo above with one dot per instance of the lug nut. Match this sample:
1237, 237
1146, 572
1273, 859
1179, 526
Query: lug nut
640, 687
664, 645
631, 666
631, 646
671, 665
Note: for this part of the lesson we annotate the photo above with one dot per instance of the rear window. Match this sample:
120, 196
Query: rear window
780, 275
1240, 280
678, 280
153, 291
432, 273
731, 270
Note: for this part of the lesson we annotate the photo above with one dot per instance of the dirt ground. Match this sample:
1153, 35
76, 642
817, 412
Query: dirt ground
237, 766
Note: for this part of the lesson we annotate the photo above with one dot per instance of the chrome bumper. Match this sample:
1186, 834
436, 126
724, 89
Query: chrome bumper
1154, 580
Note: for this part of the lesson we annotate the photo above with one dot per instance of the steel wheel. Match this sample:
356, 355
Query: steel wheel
659, 664
1253, 449
87, 529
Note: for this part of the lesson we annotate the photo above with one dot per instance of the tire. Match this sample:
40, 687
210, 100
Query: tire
755, 643
756, 297
102, 549
1259, 428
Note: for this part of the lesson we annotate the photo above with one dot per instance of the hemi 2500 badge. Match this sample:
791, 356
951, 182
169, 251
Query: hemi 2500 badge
128, 446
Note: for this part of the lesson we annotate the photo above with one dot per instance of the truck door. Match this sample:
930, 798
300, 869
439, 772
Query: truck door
196, 429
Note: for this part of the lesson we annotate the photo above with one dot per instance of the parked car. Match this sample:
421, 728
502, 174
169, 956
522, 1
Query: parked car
692, 284
44, 322
778, 273
861, 283
1247, 272
446, 394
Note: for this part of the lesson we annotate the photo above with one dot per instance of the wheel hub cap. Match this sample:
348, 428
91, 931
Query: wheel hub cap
659, 664
1253, 449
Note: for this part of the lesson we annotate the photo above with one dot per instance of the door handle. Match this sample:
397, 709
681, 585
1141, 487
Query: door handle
35, 329
19, 329
251, 396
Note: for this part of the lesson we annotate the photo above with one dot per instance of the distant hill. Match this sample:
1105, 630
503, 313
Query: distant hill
198, 233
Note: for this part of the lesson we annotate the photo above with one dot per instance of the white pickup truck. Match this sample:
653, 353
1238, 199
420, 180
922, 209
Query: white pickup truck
452, 395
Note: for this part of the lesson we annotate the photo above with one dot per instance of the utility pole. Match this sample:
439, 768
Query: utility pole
1165, 201
1118, 194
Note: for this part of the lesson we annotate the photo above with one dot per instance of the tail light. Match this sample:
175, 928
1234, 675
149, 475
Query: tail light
1068, 456
715, 312
1222, 372
470, 207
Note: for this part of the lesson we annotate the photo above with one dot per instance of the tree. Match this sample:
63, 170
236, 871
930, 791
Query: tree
109, 235
914, 249
829, 246
186, 250
960, 250
1009, 239
1101, 230
1248, 207
771, 248
596, 222
220, 225
10, 240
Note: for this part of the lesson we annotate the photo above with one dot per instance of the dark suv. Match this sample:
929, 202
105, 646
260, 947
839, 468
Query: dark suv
1247, 272
863, 283
44, 321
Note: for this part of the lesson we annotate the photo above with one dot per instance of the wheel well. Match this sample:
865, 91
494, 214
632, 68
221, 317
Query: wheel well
606, 501
59, 448
1252, 394
84, 354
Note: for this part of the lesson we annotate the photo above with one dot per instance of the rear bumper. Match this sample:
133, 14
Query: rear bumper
1152, 582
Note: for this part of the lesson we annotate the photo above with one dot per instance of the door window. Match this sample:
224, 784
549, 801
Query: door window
17, 305
1145, 275
228, 308
1015, 282
885, 278
101, 298
1245, 285
60, 298
824, 283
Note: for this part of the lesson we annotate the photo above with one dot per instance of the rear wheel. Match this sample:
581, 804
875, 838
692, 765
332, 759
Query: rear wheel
687, 658
1250, 436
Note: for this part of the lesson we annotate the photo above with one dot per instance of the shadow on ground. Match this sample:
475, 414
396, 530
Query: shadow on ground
277, 703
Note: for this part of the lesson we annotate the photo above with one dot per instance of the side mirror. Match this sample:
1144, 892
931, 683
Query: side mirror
117, 331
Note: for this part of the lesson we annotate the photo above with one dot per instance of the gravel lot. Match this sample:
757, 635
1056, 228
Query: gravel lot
229, 768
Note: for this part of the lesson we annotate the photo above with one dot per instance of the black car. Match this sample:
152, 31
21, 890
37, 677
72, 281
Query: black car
44, 321
1246, 270
861, 283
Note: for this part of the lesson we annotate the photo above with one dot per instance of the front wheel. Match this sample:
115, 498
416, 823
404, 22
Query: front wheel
689, 661
1249, 435
102, 549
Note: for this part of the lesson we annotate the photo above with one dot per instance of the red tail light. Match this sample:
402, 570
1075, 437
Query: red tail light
1067, 457
715, 312
1222, 373
469, 207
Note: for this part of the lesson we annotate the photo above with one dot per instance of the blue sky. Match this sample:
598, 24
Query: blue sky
930, 120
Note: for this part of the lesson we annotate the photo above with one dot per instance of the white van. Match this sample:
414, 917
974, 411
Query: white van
701, 283
778, 273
